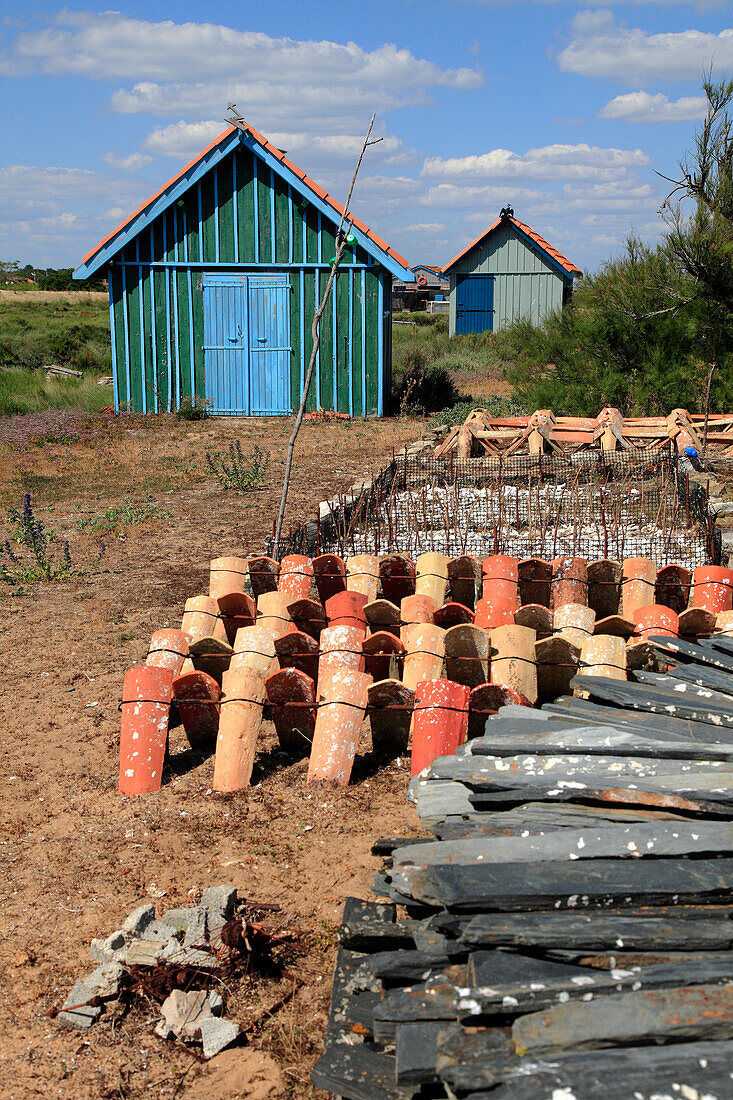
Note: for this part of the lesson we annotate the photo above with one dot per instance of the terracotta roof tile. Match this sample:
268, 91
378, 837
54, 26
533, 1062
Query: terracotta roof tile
262, 140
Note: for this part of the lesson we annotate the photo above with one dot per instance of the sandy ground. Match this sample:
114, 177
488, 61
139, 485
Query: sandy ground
75, 857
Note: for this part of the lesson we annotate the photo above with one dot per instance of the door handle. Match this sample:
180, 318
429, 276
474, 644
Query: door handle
261, 339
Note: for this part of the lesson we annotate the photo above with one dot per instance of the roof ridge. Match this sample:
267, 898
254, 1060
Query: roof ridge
537, 238
279, 155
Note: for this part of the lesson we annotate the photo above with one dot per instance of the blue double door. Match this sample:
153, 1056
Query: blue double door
247, 344
474, 303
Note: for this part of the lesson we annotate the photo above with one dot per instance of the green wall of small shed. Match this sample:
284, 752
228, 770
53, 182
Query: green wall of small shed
242, 217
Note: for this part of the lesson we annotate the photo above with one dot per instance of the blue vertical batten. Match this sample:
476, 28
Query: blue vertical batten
167, 277
351, 342
141, 303
256, 205
302, 331
126, 320
153, 332
363, 343
176, 253
305, 234
334, 345
290, 224
115, 382
177, 340
190, 310
320, 242
272, 216
216, 215
235, 208
380, 345
317, 368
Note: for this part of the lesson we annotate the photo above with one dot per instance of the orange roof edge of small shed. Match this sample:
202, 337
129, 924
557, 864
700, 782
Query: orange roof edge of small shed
539, 240
274, 151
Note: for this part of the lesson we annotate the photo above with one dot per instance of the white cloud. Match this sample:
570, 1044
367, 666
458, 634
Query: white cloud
182, 140
604, 48
59, 190
270, 79
109, 45
54, 215
550, 162
185, 139
645, 107
133, 163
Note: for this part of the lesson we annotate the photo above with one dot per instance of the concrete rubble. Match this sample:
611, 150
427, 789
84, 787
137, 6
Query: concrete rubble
187, 937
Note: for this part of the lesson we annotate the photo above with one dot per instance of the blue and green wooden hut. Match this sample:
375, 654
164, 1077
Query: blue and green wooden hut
214, 281
509, 273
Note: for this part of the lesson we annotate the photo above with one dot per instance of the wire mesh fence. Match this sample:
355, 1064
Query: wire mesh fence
593, 505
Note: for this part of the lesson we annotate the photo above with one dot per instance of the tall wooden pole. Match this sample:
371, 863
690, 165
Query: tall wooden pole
316, 340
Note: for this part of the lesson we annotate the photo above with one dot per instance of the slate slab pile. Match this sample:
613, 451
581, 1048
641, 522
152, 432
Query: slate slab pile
568, 924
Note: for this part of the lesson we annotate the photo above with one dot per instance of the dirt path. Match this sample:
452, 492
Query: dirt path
75, 857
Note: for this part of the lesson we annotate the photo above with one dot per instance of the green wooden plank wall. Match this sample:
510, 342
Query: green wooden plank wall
241, 214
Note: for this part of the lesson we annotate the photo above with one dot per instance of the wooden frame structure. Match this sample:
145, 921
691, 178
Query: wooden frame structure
543, 432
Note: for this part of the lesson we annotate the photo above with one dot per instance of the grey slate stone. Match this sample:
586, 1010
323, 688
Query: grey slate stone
76, 1012
183, 1015
189, 924
219, 903
218, 1034
700, 1012
178, 953
138, 921
144, 952
103, 982
107, 950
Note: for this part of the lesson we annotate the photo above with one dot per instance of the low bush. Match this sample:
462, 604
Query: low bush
196, 409
495, 406
233, 470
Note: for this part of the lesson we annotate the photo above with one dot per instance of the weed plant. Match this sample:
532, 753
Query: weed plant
34, 553
233, 470
120, 517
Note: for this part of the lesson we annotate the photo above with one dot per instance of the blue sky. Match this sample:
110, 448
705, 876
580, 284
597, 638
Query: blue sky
562, 109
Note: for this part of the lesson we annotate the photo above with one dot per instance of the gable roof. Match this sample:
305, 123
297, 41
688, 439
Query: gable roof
532, 238
171, 191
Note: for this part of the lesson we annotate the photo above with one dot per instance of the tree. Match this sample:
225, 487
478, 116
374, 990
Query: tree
644, 332
9, 270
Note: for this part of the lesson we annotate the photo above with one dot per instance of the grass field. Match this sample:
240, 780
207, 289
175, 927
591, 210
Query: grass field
38, 329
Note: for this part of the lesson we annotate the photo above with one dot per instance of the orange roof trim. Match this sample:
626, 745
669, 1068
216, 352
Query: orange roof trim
528, 232
275, 152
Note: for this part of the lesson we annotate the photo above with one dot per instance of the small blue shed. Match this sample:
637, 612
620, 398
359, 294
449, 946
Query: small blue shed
508, 273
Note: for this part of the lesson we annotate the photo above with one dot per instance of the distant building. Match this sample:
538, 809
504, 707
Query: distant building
508, 273
428, 285
214, 281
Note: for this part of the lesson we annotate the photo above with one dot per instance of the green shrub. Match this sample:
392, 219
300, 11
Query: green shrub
193, 410
423, 385
495, 406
